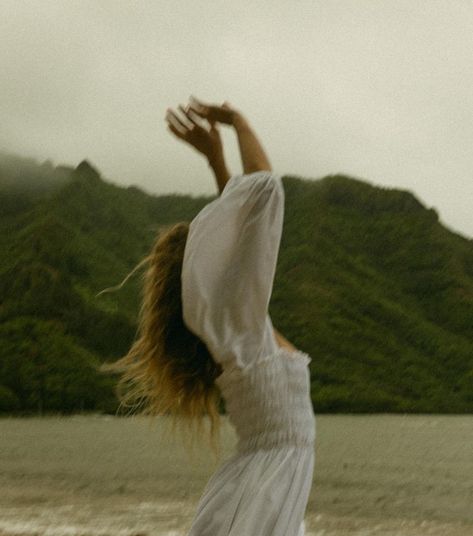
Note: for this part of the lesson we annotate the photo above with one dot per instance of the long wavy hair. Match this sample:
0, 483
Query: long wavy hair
168, 370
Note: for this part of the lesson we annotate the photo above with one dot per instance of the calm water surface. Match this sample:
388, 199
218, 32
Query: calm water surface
387, 475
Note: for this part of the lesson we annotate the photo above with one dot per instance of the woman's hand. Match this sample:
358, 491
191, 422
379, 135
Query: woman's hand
190, 130
225, 113
253, 155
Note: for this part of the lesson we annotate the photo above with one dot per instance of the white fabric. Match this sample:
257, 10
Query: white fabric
229, 265
227, 277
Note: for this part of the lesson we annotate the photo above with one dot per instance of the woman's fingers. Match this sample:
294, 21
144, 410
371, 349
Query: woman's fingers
198, 107
176, 131
176, 126
200, 112
183, 121
171, 117
189, 124
196, 103
191, 116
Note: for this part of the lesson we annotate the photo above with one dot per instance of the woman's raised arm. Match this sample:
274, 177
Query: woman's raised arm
253, 156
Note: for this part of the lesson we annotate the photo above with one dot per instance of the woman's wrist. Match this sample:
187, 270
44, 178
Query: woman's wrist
220, 170
239, 121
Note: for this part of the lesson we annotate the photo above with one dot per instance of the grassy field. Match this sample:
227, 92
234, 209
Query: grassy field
388, 475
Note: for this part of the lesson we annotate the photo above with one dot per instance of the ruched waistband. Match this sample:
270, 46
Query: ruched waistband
268, 402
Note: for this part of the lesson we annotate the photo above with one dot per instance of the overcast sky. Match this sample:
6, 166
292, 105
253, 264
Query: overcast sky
378, 89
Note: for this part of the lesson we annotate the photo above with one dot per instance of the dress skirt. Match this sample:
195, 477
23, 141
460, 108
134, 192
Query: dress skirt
260, 493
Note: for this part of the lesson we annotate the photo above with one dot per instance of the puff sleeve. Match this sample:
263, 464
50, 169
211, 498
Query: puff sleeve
229, 265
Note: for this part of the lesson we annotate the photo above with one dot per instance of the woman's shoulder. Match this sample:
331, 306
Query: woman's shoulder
263, 179
260, 186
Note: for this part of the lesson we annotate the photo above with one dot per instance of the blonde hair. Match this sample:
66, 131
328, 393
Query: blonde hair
168, 369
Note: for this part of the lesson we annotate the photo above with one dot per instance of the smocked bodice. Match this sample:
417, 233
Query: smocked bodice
268, 402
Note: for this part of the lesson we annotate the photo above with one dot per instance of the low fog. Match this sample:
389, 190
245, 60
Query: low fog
379, 90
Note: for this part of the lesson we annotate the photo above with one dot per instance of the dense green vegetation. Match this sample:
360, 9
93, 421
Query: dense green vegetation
368, 282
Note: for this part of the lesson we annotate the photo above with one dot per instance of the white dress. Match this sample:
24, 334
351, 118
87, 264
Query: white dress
227, 278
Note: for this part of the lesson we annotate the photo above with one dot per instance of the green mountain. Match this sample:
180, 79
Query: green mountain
368, 282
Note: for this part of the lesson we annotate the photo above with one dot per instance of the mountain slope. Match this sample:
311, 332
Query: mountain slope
368, 282
381, 294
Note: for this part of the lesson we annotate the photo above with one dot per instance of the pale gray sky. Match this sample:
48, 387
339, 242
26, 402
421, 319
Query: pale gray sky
378, 89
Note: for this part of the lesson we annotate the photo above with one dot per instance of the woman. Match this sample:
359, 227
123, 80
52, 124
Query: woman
205, 332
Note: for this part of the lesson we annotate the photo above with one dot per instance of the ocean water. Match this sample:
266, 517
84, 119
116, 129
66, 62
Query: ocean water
386, 475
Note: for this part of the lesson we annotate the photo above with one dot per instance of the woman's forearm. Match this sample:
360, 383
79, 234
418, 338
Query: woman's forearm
220, 170
253, 156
